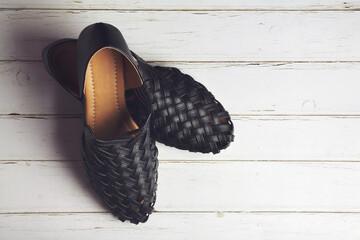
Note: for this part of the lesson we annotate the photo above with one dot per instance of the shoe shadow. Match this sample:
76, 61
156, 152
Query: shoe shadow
56, 105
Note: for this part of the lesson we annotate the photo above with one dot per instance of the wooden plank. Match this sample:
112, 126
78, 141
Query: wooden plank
56, 186
195, 35
261, 88
26, 88
184, 5
257, 226
257, 138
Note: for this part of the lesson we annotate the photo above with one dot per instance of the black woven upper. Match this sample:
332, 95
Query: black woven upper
185, 114
170, 107
123, 172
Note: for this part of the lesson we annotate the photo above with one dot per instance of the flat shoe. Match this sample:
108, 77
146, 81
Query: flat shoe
185, 114
118, 148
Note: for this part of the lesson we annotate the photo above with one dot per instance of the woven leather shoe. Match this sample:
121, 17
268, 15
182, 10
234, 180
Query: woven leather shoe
118, 149
185, 114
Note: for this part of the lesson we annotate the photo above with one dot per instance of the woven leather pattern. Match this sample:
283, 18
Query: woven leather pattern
185, 114
123, 172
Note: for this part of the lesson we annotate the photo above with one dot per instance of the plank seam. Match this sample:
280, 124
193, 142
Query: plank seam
181, 212
249, 62
345, 9
10, 161
236, 116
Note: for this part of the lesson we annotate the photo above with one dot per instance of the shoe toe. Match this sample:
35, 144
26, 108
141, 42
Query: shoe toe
186, 115
123, 173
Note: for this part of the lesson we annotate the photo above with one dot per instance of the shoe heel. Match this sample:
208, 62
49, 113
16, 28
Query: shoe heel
49, 55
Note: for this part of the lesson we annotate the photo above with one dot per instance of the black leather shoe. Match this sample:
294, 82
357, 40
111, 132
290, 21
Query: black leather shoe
185, 114
118, 149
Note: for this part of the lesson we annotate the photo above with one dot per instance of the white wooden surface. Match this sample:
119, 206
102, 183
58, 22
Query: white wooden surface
278, 88
235, 186
195, 35
287, 71
184, 4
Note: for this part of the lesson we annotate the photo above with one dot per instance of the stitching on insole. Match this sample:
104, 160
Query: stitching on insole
116, 93
124, 76
93, 87
116, 84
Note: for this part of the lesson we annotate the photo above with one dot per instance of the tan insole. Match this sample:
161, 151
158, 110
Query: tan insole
106, 111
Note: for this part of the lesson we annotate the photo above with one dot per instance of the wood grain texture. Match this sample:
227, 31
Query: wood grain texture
57, 186
286, 70
261, 88
225, 226
257, 138
26, 88
184, 4
195, 35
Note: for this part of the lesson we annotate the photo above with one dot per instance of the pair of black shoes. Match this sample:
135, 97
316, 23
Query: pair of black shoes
128, 105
